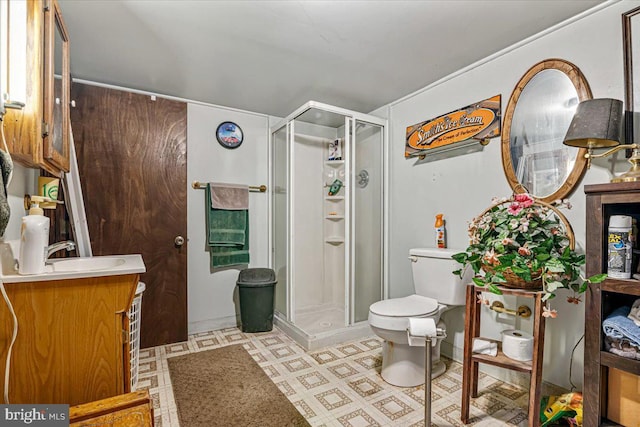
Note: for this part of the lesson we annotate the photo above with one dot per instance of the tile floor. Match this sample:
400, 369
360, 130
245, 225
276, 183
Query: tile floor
338, 385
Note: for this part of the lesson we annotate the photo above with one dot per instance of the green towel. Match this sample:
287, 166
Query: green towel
227, 228
228, 235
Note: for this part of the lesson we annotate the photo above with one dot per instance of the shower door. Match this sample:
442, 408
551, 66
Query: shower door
367, 211
279, 236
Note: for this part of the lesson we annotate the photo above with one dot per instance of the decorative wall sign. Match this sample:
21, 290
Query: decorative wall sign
479, 121
229, 135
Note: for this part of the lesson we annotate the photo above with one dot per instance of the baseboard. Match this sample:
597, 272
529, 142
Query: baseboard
213, 324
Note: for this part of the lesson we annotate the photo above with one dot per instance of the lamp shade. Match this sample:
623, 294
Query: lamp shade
597, 123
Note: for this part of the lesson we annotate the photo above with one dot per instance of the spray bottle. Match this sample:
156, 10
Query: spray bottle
619, 246
34, 239
441, 241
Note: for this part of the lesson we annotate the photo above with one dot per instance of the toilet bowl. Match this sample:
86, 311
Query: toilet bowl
437, 290
402, 364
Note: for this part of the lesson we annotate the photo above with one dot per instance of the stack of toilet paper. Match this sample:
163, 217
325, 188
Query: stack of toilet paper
487, 347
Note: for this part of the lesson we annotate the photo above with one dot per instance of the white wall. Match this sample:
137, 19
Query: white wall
462, 186
212, 295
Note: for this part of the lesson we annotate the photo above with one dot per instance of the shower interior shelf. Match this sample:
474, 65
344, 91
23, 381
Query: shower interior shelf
334, 209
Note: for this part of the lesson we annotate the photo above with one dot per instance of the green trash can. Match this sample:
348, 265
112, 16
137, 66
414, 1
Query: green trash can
256, 287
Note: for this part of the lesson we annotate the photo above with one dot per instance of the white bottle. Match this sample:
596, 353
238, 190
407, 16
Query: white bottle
619, 248
34, 240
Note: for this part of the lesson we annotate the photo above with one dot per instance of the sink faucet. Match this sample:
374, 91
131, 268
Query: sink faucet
68, 245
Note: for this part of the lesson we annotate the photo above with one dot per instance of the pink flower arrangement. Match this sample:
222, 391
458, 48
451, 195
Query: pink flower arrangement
522, 240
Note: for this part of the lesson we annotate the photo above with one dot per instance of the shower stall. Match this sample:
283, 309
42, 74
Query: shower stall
328, 175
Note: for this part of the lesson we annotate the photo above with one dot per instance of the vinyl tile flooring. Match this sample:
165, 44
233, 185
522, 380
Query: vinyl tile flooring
338, 385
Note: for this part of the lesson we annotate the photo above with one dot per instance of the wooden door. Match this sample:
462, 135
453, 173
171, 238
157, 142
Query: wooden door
132, 158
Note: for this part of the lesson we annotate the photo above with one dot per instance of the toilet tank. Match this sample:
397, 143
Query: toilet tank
432, 275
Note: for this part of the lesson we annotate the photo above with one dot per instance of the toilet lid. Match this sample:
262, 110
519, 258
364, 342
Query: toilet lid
411, 306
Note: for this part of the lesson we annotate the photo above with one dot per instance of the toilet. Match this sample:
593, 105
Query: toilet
437, 290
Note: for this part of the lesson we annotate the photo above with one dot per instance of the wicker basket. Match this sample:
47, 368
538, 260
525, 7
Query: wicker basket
513, 280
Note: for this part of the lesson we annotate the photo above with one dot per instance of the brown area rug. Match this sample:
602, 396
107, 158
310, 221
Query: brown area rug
225, 387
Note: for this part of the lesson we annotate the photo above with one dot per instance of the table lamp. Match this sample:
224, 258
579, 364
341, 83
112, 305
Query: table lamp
597, 123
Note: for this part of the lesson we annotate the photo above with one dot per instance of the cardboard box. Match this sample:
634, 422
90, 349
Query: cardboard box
623, 403
335, 150
48, 187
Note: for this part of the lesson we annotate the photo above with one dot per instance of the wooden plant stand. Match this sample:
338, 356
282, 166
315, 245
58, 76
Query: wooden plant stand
471, 360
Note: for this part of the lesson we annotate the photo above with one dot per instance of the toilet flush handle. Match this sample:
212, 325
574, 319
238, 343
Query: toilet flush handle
413, 258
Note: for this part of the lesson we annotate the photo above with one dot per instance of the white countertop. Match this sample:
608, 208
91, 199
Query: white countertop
130, 264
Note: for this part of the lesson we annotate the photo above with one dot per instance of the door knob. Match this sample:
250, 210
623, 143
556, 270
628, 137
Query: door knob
179, 241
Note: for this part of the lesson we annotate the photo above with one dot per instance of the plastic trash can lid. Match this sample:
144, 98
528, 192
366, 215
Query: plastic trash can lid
140, 288
256, 277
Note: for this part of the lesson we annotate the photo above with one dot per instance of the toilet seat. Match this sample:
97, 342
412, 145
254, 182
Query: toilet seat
392, 314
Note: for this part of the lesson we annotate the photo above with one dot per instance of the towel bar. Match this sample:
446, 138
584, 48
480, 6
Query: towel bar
197, 185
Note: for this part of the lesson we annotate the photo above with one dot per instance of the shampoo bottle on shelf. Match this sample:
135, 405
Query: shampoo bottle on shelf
335, 187
34, 240
441, 241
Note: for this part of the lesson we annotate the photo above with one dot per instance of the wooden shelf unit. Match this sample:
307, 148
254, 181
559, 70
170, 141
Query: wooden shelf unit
472, 360
604, 200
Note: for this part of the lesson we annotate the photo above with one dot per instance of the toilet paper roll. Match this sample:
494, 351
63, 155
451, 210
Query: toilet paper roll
418, 329
517, 345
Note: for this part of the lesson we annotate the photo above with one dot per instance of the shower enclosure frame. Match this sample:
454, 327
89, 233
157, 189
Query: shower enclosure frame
288, 124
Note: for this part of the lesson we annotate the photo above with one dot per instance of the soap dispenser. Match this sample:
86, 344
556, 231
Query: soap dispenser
34, 239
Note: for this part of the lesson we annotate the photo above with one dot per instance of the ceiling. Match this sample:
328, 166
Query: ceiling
273, 56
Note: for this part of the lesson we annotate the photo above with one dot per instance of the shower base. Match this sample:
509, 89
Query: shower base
316, 333
319, 319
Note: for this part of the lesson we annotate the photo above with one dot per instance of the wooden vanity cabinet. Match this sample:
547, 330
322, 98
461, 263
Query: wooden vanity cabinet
38, 135
73, 339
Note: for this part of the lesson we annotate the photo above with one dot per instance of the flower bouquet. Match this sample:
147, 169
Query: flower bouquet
525, 243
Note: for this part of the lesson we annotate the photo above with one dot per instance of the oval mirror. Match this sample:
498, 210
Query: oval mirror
538, 115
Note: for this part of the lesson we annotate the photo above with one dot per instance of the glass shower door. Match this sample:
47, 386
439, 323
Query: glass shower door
279, 217
368, 217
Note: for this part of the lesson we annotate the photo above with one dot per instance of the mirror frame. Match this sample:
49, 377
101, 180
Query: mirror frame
584, 92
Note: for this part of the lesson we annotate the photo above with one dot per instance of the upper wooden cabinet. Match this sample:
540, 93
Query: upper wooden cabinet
38, 135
